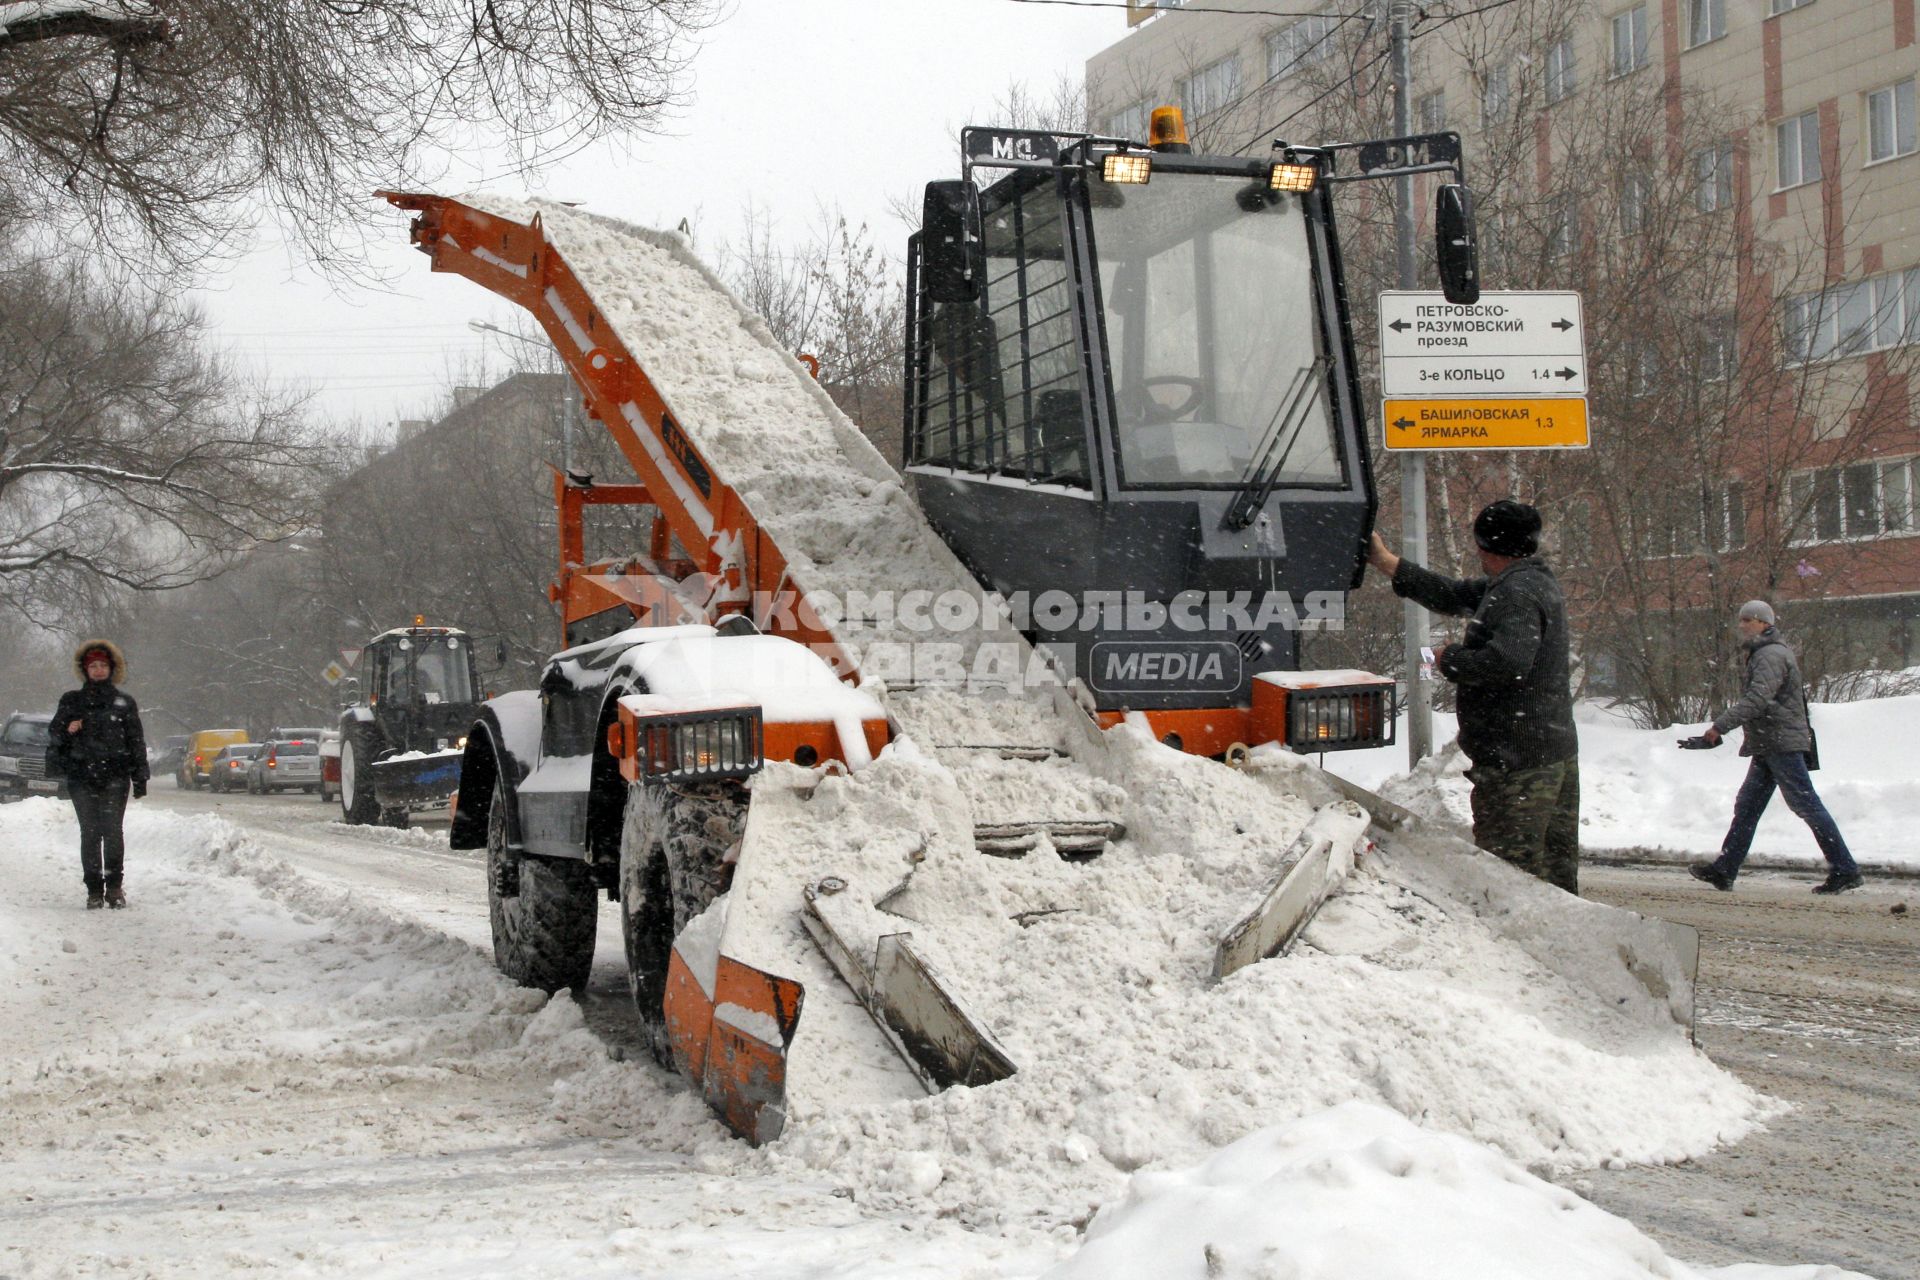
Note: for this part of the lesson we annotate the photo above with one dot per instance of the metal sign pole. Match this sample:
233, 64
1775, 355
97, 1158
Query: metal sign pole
1413, 465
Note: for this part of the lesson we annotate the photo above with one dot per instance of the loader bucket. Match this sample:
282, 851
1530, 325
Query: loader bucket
732, 1042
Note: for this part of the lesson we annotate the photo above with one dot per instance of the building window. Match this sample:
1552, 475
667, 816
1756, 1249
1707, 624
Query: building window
1563, 229
1630, 40
1862, 315
1433, 111
1706, 21
1131, 121
1296, 47
1561, 81
1635, 194
1645, 375
1496, 96
1859, 500
1723, 518
1716, 526
1719, 350
1796, 145
1890, 122
1211, 88
1782, 6
1713, 177
1573, 533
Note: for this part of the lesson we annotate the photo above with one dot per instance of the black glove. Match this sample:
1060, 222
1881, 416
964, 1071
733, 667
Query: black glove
139, 791
1698, 742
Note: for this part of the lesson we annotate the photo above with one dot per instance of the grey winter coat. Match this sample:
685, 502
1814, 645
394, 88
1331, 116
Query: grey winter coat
1773, 707
1512, 669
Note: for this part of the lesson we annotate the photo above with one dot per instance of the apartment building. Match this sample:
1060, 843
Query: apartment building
1789, 125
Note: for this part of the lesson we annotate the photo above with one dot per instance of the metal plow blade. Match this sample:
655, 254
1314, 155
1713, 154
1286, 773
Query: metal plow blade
732, 1040
416, 779
932, 1029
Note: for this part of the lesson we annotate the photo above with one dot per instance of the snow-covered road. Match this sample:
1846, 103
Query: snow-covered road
293, 1054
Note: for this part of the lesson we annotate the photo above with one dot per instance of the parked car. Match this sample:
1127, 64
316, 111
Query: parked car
228, 770
288, 763
23, 758
196, 769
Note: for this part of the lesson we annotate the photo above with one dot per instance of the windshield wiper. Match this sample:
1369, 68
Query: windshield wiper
1288, 421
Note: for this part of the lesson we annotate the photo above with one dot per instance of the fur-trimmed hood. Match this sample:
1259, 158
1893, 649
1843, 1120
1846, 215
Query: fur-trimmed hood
119, 675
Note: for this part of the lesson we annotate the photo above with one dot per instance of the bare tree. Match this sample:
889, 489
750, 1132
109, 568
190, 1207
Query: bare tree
839, 297
165, 114
129, 458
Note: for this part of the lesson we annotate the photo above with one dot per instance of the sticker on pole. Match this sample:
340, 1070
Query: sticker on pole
1506, 372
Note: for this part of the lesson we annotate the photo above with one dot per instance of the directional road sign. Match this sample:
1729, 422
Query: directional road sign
1538, 423
1518, 358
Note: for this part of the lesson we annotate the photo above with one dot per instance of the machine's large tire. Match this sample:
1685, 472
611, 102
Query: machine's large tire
673, 863
357, 806
543, 910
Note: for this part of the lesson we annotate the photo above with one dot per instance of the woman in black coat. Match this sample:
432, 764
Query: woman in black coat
97, 742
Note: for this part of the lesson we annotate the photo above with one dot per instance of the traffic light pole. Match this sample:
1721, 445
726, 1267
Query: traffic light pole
1413, 464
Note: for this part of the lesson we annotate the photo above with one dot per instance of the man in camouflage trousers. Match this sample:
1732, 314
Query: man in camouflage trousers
1512, 673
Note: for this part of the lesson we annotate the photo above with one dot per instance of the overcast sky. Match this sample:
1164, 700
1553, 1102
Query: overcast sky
795, 104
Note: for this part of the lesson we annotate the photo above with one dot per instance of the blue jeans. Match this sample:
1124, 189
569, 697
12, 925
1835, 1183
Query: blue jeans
1788, 772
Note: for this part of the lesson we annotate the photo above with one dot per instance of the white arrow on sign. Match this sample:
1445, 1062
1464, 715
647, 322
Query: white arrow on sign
1530, 324
1428, 376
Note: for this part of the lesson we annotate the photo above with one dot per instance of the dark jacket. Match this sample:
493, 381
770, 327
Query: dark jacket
111, 745
1773, 706
1512, 669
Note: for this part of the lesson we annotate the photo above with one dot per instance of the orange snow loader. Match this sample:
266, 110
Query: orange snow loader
1193, 454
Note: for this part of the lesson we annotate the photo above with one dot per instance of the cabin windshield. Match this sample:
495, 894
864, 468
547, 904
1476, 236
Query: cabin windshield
1208, 294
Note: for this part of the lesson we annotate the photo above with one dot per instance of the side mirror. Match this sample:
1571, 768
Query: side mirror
946, 230
1455, 245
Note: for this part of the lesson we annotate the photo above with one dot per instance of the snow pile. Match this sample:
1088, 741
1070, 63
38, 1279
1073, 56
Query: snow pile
1439, 983
1358, 1191
1638, 791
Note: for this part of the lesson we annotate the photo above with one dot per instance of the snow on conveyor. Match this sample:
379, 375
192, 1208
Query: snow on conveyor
1440, 984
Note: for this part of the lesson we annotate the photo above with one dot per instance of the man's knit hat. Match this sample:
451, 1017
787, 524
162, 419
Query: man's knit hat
1757, 609
1508, 528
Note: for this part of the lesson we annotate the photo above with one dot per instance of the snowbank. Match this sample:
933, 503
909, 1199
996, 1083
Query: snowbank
1358, 1191
1638, 791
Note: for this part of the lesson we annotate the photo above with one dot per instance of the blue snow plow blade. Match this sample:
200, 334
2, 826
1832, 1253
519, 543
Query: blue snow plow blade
416, 780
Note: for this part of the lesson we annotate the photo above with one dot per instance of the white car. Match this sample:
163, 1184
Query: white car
291, 762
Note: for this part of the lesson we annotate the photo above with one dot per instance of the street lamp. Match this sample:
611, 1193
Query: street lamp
566, 401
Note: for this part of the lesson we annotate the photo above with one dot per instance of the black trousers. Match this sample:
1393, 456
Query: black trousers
103, 849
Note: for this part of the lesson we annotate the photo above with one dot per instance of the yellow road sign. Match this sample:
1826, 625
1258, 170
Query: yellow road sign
333, 673
1541, 422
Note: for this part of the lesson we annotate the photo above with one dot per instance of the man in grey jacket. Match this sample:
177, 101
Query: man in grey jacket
1515, 698
1779, 737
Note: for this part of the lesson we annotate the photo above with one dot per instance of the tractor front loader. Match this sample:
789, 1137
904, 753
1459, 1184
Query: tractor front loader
401, 740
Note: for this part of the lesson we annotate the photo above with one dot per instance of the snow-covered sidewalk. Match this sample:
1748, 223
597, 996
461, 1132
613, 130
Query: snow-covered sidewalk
252, 1069
1639, 792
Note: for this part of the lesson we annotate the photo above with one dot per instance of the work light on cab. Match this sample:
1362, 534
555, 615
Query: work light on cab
1127, 166
1287, 176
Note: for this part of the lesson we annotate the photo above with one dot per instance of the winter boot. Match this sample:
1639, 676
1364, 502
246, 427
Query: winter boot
95, 900
1837, 883
1712, 874
116, 896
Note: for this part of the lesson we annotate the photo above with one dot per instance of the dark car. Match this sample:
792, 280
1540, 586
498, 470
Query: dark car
169, 756
23, 758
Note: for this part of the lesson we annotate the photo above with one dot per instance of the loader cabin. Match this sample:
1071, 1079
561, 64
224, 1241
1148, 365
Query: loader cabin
1129, 370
